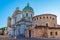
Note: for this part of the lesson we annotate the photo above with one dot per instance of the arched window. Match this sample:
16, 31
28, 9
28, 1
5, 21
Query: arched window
47, 17
52, 18
44, 17
40, 17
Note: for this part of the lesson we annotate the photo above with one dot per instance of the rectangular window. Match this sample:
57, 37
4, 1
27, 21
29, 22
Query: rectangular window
46, 24
31, 15
50, 33
26, 14
47, 17
54, 25
55, 33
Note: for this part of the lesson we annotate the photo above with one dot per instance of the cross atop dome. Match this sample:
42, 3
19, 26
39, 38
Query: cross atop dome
27, 4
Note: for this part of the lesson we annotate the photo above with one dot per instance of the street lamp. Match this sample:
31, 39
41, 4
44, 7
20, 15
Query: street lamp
15, 32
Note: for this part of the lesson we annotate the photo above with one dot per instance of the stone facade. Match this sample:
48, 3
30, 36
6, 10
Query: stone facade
43, 32
24, 23
53, 33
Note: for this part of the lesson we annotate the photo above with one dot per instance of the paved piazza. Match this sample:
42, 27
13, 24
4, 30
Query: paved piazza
28, 39
22, 38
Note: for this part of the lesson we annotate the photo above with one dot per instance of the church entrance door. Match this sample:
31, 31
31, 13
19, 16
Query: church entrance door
29, 33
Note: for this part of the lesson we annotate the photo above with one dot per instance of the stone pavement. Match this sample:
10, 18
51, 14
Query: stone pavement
23, 38
38, 39
30, 39
4, 37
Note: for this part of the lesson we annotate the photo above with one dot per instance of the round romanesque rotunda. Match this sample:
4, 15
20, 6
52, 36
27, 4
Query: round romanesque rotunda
46, 20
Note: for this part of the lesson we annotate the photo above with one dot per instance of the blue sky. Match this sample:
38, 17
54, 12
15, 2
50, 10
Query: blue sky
7, 7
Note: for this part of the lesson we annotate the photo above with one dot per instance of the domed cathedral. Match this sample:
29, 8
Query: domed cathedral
20, 20
24, 23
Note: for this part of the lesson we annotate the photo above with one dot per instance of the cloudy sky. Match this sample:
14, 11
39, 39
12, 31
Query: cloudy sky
7, 8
